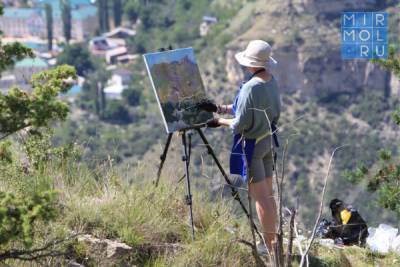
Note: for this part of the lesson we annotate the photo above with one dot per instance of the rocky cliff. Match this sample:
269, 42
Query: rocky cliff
305, 35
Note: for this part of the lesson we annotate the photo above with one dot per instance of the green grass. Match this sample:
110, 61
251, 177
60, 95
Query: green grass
107, 203
351, 256
104, 203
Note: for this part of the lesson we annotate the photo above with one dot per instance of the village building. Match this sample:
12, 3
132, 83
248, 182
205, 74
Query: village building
22, 22
120, 32
25, 22
16, 3
116, 55
120, 80
112, 46
124, 74
115, 87
98, 46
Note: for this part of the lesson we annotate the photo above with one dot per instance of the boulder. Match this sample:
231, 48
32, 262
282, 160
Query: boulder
107, 248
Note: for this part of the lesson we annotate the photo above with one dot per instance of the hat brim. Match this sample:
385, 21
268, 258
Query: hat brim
247, 62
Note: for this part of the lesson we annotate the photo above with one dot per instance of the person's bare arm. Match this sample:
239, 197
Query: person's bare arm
225, 122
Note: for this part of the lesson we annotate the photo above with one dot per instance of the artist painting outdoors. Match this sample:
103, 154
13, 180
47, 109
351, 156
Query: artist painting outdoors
256, 110
145, 133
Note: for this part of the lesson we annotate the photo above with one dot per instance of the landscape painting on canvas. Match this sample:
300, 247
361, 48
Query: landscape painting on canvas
178, 87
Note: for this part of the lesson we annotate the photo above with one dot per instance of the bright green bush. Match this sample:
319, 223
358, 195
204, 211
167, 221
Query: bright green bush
22, 210
18, 216
20, 109
5, 152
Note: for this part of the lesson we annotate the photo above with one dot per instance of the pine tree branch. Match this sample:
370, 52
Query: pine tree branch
37, 253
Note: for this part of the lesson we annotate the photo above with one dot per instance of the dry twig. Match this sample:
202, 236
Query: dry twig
321, 206
290, 240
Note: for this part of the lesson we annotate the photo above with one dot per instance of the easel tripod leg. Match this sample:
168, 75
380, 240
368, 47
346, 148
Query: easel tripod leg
163, 157
188, 197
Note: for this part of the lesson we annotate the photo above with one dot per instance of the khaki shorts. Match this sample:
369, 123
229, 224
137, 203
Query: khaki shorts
262, 161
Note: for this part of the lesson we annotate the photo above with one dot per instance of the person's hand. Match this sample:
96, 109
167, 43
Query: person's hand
213, 123
207, 105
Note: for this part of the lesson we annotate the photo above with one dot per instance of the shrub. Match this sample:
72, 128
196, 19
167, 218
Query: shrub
116, 112
18, 215
77, 55
132, 96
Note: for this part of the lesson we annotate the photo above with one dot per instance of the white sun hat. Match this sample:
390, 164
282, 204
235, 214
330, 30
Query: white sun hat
257, 54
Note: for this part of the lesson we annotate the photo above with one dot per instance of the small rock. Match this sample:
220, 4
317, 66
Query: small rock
117, 249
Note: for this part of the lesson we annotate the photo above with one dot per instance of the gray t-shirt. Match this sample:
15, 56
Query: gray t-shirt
257, 100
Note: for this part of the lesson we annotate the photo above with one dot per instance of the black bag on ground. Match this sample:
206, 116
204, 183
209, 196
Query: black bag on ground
347, 226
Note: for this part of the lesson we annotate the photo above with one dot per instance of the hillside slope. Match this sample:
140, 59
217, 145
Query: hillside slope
306, 40
112, 218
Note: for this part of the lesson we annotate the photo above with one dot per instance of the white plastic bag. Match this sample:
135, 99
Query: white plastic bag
396, 245
381, 239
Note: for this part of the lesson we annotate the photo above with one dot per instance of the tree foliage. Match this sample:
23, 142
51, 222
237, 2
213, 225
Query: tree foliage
132, 96
19, 215
117, 12
93, 97
116, 112
77, 55
384, 178
20, 109
11, 53
5, 152
103, 11
392, 63
132, 9
66, 19
49, 25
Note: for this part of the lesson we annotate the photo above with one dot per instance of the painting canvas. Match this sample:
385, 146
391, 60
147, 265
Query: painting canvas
178, 86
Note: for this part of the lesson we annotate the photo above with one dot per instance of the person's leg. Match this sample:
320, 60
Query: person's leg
260, 189
262, 193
